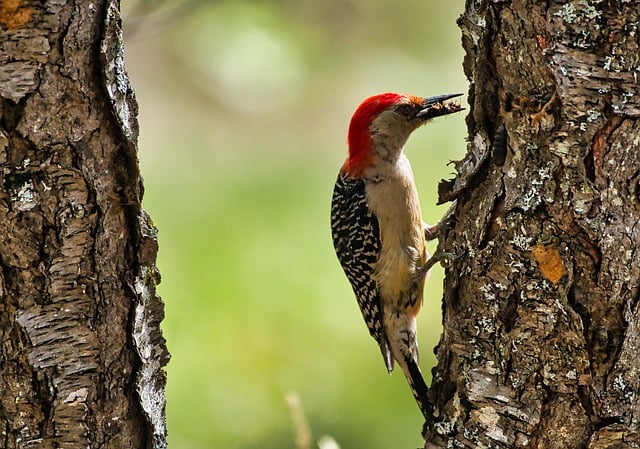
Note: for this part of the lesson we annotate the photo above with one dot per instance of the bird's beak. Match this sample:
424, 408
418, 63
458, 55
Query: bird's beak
436, 106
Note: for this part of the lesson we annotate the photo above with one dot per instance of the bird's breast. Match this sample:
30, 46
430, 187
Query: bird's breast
394, 201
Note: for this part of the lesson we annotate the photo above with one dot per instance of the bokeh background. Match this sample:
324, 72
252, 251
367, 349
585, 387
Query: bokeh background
244, 107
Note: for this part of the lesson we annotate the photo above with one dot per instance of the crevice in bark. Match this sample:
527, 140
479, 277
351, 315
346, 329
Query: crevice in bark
589, 167
583, 312
609, 421
10, 114
509, 315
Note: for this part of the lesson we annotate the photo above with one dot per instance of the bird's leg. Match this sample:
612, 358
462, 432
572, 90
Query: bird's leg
432, 232
438, 231
437, 257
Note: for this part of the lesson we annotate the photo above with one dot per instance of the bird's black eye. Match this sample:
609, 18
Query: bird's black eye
406, 109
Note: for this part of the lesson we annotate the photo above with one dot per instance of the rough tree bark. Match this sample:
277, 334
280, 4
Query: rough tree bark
541, 340
81, 352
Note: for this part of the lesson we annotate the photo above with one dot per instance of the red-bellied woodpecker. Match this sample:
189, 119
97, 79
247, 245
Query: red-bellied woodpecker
377, 228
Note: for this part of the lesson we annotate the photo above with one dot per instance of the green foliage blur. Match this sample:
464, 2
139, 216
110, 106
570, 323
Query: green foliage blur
244, 107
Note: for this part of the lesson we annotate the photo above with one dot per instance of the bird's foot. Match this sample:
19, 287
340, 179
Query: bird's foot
439, 256
439, 229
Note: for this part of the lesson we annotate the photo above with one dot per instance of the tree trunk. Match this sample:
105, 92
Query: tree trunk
541, 340
81, 352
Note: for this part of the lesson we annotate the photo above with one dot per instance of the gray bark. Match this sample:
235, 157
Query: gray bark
541, 315
82, 354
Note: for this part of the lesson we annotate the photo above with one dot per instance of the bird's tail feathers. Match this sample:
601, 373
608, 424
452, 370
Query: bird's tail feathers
418, 386
385, 349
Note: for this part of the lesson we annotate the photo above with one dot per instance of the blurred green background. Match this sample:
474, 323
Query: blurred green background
244, 108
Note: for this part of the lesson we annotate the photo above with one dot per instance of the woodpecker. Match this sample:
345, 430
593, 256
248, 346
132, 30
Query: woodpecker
377, 227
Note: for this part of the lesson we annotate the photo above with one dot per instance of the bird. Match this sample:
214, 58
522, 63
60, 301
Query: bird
377, 228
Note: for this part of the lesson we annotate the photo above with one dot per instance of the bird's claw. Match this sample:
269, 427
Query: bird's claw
439, 229
439, 256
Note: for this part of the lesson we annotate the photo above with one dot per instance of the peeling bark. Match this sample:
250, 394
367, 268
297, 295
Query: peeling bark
541, 316
82, 354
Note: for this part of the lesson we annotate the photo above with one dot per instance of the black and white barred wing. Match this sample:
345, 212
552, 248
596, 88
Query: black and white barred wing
356, 239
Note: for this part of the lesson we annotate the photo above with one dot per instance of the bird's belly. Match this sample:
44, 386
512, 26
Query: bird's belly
397, 278
395, 204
